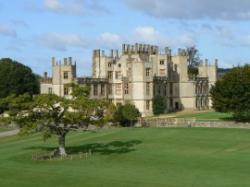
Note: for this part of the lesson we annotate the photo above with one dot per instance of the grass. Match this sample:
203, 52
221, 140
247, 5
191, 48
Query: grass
207, 116
196, 157
4, 129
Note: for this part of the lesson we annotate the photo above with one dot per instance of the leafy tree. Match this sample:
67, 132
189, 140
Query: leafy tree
15, 78
56, 115
127, 114
159, 105
193, 61
193, 57
232, 93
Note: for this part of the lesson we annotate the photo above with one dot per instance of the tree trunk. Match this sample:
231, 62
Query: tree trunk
61, 148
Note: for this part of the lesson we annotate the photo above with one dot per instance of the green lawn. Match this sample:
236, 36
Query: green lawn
4, 129
195, 157
207, 116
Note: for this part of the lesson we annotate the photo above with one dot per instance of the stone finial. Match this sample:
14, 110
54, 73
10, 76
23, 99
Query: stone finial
168, 51
117, 53
216, 62
70, 60
53, 61
206, 62
45, 75
65, 61
123, 48
133, 49
112, 53
136, 48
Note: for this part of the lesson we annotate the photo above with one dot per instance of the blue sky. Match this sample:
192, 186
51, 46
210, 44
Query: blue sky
31, 32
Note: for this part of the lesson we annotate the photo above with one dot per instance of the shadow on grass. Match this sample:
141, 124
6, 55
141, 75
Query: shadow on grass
114, 147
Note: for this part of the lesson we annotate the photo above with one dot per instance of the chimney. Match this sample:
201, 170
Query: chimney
70, 60
206, 62
53, 61
123, 48
216, 62
136, 48
116, 53
45, 76
167, 51
112, 53
65, 61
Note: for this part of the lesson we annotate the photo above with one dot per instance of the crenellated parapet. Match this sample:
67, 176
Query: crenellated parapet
140, 49
66, 62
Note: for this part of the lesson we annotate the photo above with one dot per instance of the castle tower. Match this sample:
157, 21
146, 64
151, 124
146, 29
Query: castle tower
63, 74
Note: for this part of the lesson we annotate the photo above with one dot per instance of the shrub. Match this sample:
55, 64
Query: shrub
127, 115
159, 105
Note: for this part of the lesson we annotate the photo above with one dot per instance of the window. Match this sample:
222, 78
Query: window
171, 103
110, 75
175, 67
50, 90
109, 64
95, 89
159, 89
102, 89
148, 88
165, 90
65, 75
119, 65
148, 105
110, 90
126, 88
118, 89
66, 91
171, 89
162, 62
147, 72
162, 72
117, 75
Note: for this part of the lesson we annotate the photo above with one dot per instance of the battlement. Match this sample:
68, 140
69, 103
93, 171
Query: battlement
140, 49
205, 63
66, 62
133, 49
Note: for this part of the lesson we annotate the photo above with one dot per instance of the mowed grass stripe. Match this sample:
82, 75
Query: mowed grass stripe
163, 157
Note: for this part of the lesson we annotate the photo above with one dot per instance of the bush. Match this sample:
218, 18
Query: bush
232, 93
159, 105
127, 115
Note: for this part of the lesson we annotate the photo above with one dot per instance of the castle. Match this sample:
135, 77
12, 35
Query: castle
137, 75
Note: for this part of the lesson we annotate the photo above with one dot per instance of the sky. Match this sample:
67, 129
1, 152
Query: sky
31, 32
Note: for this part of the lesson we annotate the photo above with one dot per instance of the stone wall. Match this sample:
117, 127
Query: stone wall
188, 123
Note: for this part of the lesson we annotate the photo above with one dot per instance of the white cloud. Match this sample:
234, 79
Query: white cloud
150, 35
61, 41
186, 40
194, 9
75, 6
7, 31
244, 41
53, 4
109, 40
62, 7
147, 34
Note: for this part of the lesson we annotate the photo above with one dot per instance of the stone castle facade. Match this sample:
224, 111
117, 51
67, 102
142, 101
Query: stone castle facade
136, 75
